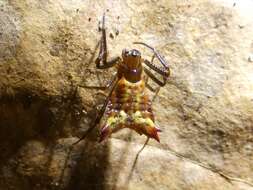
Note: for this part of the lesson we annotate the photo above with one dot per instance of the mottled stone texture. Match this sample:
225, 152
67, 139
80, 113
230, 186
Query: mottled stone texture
205, 111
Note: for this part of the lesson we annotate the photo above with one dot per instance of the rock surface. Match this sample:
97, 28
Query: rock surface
205, 111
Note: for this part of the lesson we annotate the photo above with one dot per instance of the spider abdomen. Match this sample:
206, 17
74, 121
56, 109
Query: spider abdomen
129, 107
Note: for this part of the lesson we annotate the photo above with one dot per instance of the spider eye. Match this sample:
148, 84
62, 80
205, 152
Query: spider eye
131, 53
125, 52
135, 53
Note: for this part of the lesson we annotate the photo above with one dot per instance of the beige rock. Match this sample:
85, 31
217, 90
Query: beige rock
205, 111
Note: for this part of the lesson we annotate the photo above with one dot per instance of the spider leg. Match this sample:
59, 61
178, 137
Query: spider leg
136, 159
152, 89
100, 114
156, 54
162, 70
101, 61
108, 85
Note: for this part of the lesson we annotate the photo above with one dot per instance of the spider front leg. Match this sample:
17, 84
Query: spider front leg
101, 61
163, 70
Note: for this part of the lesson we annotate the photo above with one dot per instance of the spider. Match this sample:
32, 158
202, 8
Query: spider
128, 104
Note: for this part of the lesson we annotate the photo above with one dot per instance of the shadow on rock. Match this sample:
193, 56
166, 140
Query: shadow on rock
91, 161
35, 146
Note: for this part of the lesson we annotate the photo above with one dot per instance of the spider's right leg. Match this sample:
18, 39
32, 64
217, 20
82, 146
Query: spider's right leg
136, 159
163, 70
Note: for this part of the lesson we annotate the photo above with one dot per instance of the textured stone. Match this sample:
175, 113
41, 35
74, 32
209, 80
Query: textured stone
205, 111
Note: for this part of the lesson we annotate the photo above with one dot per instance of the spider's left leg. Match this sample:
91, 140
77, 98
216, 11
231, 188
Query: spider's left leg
108, 85
101, 112
101, 61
